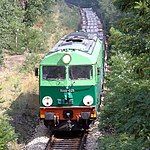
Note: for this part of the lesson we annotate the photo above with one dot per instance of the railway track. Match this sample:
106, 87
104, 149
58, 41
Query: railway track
67, 142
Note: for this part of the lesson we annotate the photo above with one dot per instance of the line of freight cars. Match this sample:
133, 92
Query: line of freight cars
91, 23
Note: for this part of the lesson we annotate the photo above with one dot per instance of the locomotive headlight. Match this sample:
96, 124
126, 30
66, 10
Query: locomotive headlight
47, 101
88, 100
66, 59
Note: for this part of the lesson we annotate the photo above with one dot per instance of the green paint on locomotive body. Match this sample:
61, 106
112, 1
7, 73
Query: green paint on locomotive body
78, 93
78, 89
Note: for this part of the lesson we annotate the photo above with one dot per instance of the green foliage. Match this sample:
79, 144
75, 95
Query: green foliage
7, 133
127, 104
1, 57
34, 41
108, 10
16, 32
10, 23
37, 8
136, 44
109, 14
18, 20
137, 6
69, 16
120, 142
62, 21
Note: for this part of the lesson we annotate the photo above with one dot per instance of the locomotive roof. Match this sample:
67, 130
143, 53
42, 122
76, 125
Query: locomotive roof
80, 41
84, 48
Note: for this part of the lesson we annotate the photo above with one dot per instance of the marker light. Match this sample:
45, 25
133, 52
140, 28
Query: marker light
66, 59
47, 101
88, 100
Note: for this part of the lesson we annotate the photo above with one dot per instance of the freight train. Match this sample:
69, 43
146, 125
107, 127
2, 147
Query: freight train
71, 80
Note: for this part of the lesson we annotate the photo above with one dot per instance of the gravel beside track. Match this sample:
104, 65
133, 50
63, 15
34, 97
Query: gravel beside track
40, 139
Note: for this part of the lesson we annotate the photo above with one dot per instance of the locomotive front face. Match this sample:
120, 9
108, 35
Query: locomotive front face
66, 91
70, 80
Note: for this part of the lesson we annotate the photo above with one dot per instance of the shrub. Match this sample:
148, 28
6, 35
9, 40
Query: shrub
69, 16
7, 133
34, 41
121, 142
126, 106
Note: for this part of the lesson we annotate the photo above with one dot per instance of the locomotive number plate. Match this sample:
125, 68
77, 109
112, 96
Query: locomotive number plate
67, 90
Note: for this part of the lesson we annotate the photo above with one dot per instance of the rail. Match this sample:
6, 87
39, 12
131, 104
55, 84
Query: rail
70, 142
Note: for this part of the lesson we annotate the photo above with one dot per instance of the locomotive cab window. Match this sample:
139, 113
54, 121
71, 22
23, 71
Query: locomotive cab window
80, 72
54, 72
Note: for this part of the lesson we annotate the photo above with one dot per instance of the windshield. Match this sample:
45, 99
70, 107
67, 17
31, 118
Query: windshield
54, 72
80, 72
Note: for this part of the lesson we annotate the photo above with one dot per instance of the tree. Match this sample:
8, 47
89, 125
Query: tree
34, 9
16, 19
127, 104
10, 24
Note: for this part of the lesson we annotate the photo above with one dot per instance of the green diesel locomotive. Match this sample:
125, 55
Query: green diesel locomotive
70, 82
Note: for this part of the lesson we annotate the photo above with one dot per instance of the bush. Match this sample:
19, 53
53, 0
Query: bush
69, 16
121, 142
126, 106
7, 133
34, 41
17, 34
109, 14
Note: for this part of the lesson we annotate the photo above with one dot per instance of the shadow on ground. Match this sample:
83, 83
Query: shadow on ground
24, 114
